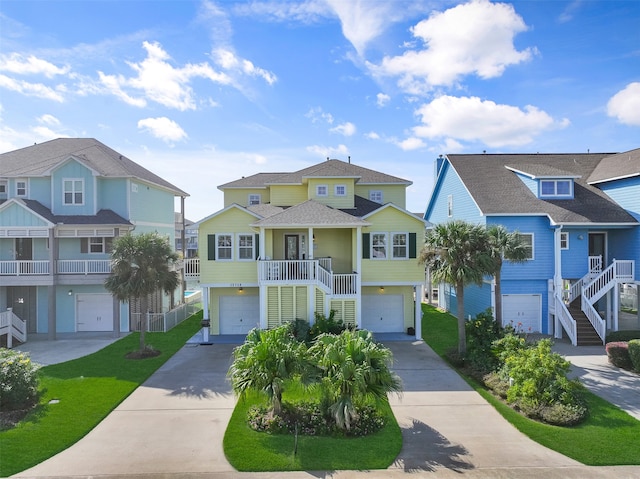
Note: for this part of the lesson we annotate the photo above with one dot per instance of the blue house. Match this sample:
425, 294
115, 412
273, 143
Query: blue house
579, 214
62, 203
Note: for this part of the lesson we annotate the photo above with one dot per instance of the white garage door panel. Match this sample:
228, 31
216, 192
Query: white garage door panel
239, 314
94, 312
383, 313
523, 311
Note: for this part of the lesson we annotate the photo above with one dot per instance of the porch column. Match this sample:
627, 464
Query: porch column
419, 294
51, 290
205, 302
310, 244
263, 240
557, 254
359, 276
616, 305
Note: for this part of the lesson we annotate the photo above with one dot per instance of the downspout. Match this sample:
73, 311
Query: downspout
359, 276
557, 276
184, 251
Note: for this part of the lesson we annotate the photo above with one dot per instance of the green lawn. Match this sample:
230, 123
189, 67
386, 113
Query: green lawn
609, 436
86, 389
248, 450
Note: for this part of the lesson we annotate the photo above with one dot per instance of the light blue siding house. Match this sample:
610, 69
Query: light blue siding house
580, 214
62, 203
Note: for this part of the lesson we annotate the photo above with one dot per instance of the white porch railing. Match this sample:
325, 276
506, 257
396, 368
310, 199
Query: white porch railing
619, 270
80, 266
163, 322
309, 272
568, 323
13, 327
24, 267
192, 268
599, 324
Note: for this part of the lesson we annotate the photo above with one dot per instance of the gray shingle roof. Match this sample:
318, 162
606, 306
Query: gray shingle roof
39, 159
310, 214
326, 169
497, 190
622, 165
265, 209
104, 217
542, 171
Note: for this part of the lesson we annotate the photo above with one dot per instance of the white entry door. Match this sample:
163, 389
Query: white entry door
94, 312
523, 312
239, 314
383, 313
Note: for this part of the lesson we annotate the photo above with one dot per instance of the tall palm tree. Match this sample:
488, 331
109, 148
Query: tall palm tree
354, 368
457, 253
504, 245
265, 361
141, 265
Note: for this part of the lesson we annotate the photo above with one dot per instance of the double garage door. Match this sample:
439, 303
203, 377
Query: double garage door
94, 312
383, 313
239, 314
523, 312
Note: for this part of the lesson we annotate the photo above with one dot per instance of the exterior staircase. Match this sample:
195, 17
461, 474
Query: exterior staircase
586, 333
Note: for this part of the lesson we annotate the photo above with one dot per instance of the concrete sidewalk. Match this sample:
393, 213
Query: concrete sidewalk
173, 426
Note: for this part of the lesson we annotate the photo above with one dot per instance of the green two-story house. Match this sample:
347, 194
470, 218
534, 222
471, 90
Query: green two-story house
334, 236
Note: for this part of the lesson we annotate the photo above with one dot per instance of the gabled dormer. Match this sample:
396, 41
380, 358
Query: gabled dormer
73, 187
546, 182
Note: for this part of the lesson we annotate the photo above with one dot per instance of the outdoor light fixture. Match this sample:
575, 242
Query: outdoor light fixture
382, 289
580, 237
70, 292
240, 289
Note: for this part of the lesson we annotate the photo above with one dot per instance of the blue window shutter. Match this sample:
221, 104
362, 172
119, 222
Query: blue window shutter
412, 245
211, 247
365, 246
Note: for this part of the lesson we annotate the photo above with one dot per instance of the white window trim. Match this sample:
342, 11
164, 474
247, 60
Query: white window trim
450, 206
254, 196
375, 193
230, 247
406, 245
95, 241
73, 191
386, 246
335, 189
26, 187
326, 190
555, 193
253, 247
564, 238
533, 249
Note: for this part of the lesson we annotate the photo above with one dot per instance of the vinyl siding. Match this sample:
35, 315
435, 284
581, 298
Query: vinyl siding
288, 195
335, 243
575, 263
464, 207
16, 215
152, 205
73, 170
626, 193
241, 196
530, 183
112, 195
395, 194
331, 199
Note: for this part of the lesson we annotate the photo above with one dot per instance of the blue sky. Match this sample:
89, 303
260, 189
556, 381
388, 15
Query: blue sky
204, 92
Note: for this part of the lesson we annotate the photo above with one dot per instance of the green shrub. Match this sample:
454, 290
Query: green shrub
634, 354
618, 354
538, 379
299, 329
563, 414
18, 380
627, 335
482, 332
323, 324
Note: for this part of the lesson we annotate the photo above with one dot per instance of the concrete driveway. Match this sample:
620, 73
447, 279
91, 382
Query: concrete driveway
173, 426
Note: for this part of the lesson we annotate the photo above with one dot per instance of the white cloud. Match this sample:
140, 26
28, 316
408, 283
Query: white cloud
16, 63
472, 38
410, 144
163, 128
318, 115
625, 105
48, 120
372, 135
346, 129
329, 151
570, 9
229, 61
307, 12
113, 84
30, 89
382, 99
472, 119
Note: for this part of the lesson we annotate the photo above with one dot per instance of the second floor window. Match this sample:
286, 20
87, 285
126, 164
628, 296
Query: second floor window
400, 245
340, 190
21, 188
254, 199
555, 188
564, 240
376, 195
527, 239
245, 247
379, 245
73, 192
322, 190
224, 246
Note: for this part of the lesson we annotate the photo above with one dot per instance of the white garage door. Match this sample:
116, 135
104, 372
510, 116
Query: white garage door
523, 311
239, 314
382, 313
94, 312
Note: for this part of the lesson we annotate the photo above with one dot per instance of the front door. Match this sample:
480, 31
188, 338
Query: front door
23, 301
291, 247
598, 246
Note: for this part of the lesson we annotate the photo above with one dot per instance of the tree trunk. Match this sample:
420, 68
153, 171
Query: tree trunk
462, 332
143, 320
498, 292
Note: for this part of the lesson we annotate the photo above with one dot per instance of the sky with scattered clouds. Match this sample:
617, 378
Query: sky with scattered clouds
204, 92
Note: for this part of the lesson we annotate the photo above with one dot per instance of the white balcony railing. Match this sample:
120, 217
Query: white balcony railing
13, 327
24, 268
192, 268
79, 266
307, 271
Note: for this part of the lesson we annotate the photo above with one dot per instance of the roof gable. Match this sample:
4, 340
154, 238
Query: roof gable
616, 167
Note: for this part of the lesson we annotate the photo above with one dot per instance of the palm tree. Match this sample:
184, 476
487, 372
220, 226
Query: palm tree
457, 253
265, 361
141, 265
354, 368
504, 245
